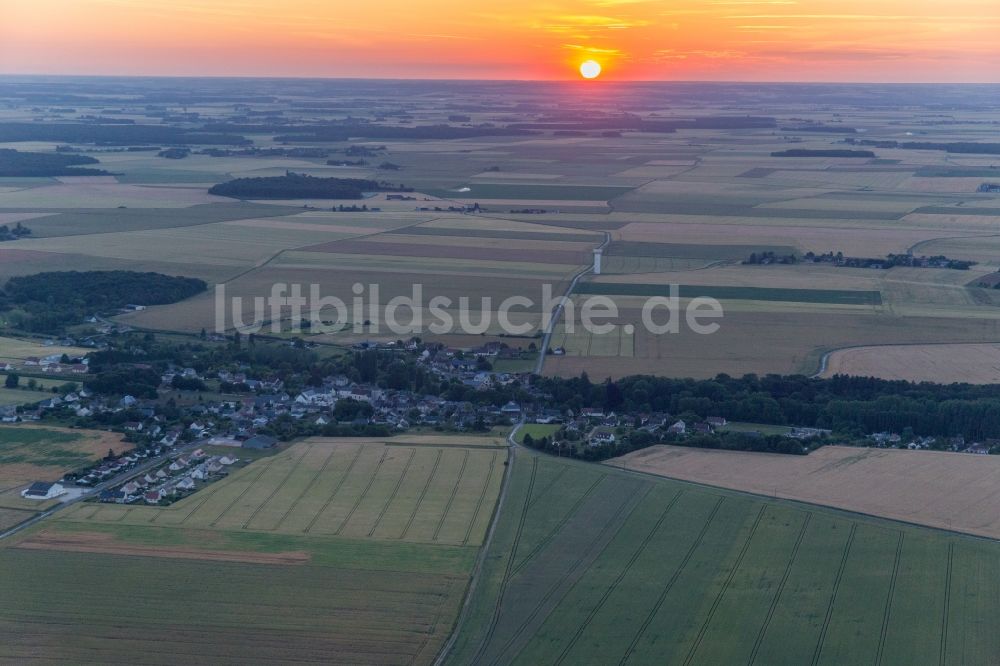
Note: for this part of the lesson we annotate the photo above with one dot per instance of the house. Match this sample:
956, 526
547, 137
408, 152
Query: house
260, 442
511, 409
601, 435
131, 488
703, 428
40, 490
187, 483
678, 428
115, 496
716, 421
154, 496
227, 460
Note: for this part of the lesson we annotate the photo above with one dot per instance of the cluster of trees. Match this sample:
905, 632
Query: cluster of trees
632, 122
116, 135
832, 152
302, 186
325, 133
852, 406
823, 129
890, 260
174, 153
14, 163
964, 147
559, 445
13, 233
48, 302
769, 257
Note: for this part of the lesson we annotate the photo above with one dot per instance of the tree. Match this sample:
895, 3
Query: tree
12, 380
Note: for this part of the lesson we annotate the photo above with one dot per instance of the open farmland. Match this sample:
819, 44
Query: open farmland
346, 488
35, 453
738, 579
368, 611
944, 490
944, 363
366, 547
16, 350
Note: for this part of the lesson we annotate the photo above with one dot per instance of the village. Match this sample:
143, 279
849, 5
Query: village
254, 413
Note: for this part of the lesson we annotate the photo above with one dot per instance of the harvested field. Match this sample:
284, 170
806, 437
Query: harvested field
501, 234
950, 491
532, 192
105, 195
941, 363
780, 341
443, 251
834, 296
33, 453
684, 251
18, 349
853, 240
738, 579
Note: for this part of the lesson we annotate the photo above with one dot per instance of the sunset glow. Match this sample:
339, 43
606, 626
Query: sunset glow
590, 69
778, 40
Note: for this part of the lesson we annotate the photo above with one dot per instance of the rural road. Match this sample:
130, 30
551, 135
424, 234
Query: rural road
140, 469
512, 446
547, 339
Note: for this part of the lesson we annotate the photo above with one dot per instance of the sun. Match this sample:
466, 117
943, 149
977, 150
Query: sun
590, 69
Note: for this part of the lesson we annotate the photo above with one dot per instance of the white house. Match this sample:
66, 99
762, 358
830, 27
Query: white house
40, 490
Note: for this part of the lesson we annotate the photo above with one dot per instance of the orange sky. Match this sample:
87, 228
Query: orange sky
762, 40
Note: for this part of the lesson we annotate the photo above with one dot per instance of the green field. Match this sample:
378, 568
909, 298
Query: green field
536, 430
763, 428
77, 607
593, 566
346, 551
838, 296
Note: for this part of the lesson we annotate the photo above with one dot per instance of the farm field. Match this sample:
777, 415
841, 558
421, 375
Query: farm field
35, 453
13, 350
419, 490
739, 579
939, 489
366, 548
944, 363
802, 336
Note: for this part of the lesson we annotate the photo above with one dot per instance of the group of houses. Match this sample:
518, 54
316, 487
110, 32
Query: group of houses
181, 476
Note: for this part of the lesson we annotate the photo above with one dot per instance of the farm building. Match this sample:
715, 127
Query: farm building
40, 490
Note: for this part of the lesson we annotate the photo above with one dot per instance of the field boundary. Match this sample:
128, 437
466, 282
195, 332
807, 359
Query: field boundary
484, 549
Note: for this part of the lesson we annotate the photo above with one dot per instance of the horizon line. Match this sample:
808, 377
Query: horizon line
575, 80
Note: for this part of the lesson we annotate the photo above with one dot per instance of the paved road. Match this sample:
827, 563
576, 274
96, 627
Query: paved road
140, 469
547, 339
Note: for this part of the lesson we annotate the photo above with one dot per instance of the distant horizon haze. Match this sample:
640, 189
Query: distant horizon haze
780, 41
